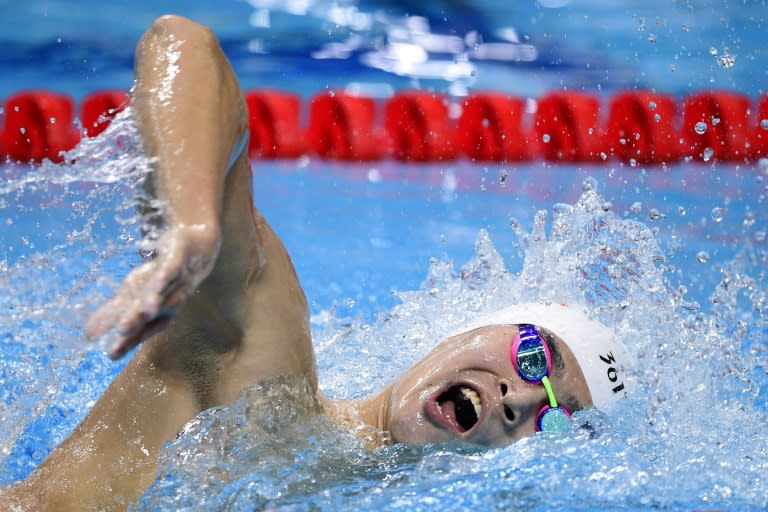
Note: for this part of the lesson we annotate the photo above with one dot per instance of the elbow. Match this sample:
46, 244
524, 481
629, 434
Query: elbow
170, 28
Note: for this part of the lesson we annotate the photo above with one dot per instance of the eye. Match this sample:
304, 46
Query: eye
509, 413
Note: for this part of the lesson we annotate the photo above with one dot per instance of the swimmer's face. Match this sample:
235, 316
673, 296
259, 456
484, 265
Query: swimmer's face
467, 388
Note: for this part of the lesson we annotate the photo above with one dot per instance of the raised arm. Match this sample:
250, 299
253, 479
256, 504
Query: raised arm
221, 295
190, 113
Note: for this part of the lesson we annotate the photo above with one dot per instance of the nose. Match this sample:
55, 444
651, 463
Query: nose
505, 401
517, 399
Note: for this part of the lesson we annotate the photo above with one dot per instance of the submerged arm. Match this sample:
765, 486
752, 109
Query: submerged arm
221, 295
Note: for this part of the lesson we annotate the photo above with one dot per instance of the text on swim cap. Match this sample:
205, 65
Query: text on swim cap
612, 374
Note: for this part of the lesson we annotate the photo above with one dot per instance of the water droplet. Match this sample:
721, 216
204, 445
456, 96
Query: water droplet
52, 120
503, 176
759, 236
715, 121
604, 156
726, 61
486, 122
473, 73
622, 141
707, 154
762, 164
681, 210
651, 38
702, 257
589, 184
653, 214
700, 127
749, 219
545, 137
652, 105
713, 51
764, 124
685, 28
374, 175
632, 162
607, 206
23, 130
636, 207
717, 213
590, 131
657, 117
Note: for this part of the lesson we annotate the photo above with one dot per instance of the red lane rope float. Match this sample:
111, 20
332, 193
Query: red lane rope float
341, 126
638, 126
566, 127
759, 140
38, 125
98, 109
418, 127
716, 125
491, 128
273, 117
641, 128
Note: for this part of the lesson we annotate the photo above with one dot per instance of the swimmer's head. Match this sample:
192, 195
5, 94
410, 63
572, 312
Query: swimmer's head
468, 387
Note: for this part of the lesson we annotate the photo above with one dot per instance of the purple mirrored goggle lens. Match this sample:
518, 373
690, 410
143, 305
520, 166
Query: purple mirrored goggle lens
533, 362
530, 354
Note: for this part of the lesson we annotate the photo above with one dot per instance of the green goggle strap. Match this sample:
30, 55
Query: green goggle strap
550, 393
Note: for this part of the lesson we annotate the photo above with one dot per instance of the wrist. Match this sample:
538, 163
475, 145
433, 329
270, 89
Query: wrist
205, 236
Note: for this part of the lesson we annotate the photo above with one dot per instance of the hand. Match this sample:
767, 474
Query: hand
151, 293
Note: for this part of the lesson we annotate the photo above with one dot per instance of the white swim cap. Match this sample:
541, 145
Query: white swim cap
604, 360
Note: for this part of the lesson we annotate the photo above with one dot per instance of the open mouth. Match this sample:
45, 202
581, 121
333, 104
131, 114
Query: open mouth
461, 406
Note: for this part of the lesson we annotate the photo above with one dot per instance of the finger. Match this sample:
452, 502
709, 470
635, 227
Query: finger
123, 312
126, 343
108, 315
173, 286
103, 319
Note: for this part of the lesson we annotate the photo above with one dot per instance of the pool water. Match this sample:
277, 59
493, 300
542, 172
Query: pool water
394, 254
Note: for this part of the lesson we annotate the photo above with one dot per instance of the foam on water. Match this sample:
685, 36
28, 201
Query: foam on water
70, 232
686, 439
66, 223
692, 436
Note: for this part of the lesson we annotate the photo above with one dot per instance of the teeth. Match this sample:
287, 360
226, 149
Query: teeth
473, 397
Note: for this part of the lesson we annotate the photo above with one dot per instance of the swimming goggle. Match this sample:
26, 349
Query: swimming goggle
533, 362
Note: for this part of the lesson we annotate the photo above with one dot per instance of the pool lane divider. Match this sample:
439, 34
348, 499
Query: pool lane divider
633, 126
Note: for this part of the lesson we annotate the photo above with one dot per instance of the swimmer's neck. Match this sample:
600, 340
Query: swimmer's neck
367, 417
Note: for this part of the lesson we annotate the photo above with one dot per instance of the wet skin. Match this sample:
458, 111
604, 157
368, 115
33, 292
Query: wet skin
478, 360
220, 308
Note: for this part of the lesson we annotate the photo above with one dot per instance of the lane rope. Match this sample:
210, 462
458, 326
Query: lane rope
634, 126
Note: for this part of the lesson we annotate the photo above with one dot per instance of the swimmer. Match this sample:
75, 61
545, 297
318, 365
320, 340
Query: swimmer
219, 307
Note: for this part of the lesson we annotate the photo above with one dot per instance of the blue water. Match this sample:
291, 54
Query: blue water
588, 44
382, 248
